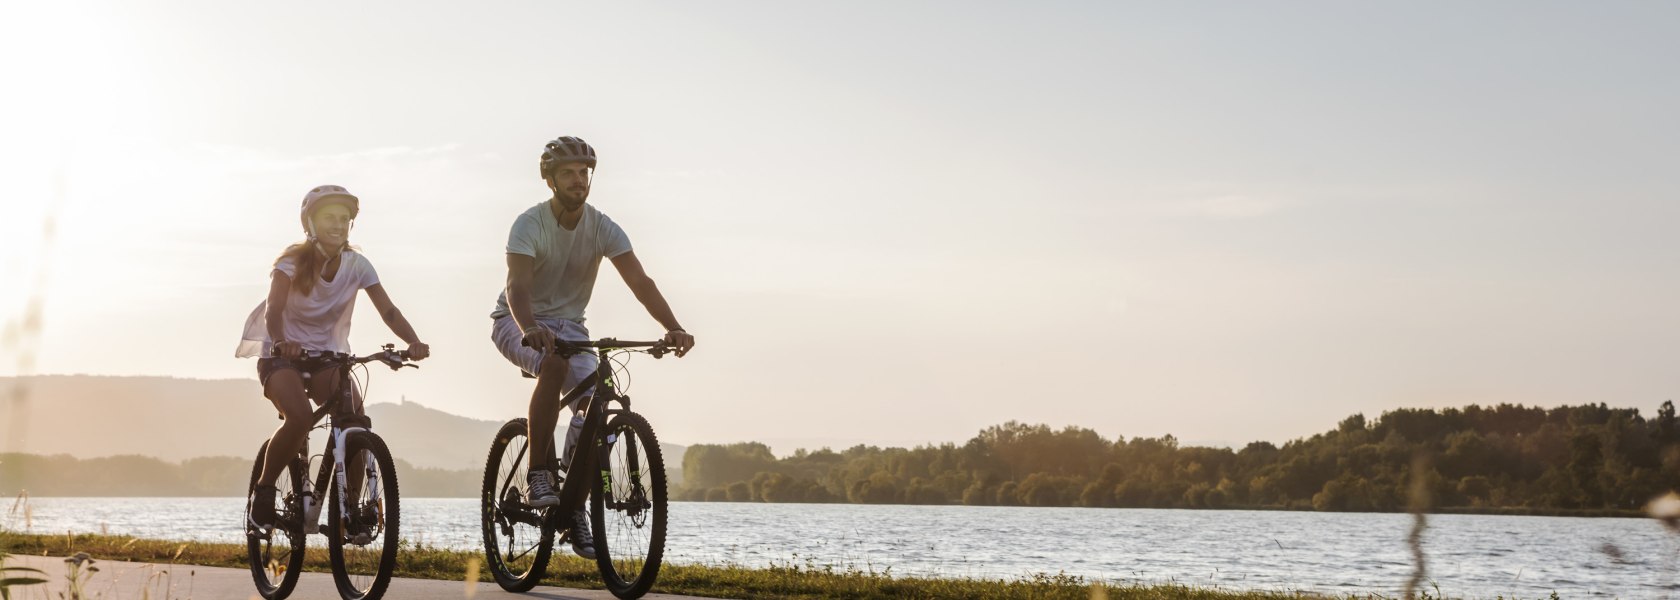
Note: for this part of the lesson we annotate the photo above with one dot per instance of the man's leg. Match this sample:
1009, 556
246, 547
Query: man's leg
544, 412
582, 542
579, 367
541, 414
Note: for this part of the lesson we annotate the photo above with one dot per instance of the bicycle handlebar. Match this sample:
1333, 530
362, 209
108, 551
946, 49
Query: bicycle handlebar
393, 358
657, 349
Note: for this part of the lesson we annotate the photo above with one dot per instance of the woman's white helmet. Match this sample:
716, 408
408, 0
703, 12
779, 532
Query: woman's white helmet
324, 195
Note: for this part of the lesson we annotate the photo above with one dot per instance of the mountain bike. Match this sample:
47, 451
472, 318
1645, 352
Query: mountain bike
362, 508
617, 467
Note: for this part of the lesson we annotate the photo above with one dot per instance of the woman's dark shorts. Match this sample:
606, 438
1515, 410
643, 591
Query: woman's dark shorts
267, 367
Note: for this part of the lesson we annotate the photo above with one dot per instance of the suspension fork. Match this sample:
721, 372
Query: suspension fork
342, 472
633, 470
340, 441
632, 455
605, 392
608, 393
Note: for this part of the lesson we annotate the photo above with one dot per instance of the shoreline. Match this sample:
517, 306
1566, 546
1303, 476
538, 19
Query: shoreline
792, 581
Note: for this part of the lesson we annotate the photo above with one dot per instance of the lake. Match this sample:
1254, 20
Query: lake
1474, 556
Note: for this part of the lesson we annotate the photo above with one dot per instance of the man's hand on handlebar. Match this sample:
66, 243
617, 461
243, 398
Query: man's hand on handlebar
418, 350
540, 337
680, 341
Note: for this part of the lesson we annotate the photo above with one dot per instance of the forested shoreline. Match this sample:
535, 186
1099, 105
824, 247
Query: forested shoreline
1504, 459
1507, 458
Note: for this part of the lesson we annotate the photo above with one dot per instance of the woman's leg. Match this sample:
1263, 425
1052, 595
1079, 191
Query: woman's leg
285, 389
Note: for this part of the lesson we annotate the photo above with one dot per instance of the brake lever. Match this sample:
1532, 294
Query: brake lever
391, 359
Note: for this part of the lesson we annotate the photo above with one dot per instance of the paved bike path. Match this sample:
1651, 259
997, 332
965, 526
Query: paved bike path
128, 580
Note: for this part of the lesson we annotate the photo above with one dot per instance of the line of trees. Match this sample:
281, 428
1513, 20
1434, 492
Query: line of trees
65, 475
1588, 457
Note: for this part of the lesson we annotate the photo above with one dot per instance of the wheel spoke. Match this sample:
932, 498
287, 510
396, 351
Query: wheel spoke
515, 540
630, 511
364, 522
276, 556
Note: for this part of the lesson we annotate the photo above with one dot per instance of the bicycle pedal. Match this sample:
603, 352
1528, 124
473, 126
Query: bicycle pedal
361, 539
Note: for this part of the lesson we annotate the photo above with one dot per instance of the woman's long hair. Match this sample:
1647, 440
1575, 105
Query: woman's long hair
308, 261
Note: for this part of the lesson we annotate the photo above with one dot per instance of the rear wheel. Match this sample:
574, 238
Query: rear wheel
628, 508
362, 537
517, 537
277, 558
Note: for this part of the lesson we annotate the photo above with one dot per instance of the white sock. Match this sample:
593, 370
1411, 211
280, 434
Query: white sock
571, 441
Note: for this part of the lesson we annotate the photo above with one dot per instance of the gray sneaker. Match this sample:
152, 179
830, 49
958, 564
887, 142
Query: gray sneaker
541, 492
582, 542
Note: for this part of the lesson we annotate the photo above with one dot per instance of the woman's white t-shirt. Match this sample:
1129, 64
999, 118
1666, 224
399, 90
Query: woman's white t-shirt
318, 321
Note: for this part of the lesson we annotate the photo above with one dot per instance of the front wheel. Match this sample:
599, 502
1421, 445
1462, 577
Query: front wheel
362, 537
628, 509
517, 539
277, 558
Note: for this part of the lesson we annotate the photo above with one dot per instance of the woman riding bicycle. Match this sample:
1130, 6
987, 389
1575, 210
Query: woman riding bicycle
311, 294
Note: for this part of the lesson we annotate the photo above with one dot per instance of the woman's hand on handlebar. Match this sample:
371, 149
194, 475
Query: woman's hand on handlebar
288, 350
418, 350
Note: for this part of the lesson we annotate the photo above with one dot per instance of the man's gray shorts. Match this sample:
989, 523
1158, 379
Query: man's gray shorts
507, 336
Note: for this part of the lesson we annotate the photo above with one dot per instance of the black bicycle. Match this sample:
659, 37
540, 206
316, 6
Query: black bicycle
363, 513
627, 506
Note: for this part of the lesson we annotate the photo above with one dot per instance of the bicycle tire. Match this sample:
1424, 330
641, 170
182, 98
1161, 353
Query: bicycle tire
362, 567
628, 508
265, 565
516, 550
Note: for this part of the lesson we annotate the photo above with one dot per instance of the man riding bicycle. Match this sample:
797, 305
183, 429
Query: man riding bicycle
554, 251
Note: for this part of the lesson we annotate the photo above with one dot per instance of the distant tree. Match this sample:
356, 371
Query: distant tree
1006, 494
1586, 458
739, 492
979, 494
1352, 424
1666, 430
1475, 488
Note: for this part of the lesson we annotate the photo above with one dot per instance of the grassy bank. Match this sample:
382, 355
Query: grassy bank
791, 581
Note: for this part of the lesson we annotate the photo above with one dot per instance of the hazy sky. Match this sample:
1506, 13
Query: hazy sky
888, 223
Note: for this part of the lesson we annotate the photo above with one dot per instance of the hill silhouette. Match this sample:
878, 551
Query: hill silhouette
176, 420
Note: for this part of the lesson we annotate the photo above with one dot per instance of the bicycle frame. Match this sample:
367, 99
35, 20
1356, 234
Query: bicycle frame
574, 490
335, 409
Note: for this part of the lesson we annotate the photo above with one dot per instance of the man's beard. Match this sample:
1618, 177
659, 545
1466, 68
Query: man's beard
573, 200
